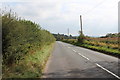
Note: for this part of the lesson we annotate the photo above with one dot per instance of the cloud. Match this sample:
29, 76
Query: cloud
99, 16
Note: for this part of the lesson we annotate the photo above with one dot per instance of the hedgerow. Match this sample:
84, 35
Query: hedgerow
19, 36
111, 49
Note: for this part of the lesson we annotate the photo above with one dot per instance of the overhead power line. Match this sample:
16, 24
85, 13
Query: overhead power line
94, 7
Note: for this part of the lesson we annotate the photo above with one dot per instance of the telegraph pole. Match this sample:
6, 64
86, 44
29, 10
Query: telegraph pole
68, 31
81, 24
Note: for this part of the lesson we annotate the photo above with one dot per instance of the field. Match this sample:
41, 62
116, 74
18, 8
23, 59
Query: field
105, 45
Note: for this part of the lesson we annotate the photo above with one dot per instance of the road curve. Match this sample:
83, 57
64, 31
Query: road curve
69, 61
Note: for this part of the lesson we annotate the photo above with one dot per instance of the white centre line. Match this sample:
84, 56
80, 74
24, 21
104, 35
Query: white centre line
108, 71
83, 56
74, 50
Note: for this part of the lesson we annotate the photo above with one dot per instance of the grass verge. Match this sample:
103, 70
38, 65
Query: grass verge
105, 50
31, 66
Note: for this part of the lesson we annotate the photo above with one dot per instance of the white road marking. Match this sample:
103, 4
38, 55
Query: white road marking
74, 50
98, 65
108, 71
83, 56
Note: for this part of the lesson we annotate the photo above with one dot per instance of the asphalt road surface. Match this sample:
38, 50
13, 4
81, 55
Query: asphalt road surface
69, 61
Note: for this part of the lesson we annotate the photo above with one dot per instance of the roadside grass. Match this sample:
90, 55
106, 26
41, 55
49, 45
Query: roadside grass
103, 49
32, 64
113, 52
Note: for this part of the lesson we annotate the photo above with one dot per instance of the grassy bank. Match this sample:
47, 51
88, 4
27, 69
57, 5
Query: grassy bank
97, 46
31, 66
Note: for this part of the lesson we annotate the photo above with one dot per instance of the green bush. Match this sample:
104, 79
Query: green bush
19, 36
81, 39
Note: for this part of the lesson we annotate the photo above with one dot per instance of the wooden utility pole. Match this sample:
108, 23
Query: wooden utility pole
81, 37
81, 24
68, 31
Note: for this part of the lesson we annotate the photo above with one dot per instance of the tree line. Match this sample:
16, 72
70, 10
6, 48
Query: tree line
112, 35
63, 36
60, 37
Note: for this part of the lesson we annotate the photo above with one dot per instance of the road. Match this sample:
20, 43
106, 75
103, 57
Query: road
69, 61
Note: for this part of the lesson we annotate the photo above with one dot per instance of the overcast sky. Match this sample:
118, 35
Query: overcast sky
99, 16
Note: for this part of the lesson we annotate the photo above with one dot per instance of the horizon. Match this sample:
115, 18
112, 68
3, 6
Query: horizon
85, 35
99, 18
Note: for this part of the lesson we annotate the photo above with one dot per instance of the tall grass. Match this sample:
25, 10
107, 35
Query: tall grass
31, 66
105, 45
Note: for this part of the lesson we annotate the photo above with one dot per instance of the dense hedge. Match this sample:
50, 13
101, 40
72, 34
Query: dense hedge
19, 36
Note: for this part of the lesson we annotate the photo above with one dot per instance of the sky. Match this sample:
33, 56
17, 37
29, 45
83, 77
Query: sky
99, 17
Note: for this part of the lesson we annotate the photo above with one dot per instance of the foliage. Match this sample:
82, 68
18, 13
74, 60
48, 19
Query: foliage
81, 38
112, 35
71, 41
62, 36
19, 36
103, 49
31, 66
102, 44
105, 45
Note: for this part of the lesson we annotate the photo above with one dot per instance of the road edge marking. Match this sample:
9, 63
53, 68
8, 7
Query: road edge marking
107, 70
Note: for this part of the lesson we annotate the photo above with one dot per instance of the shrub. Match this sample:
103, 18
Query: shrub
19, 36
81, 38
